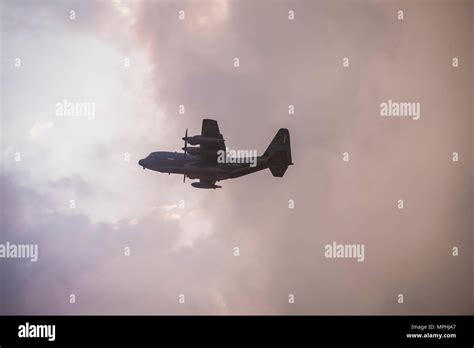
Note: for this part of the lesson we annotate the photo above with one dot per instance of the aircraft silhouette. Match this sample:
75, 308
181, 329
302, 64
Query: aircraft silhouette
209, 162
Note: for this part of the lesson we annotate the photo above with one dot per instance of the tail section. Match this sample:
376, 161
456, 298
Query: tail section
279, 153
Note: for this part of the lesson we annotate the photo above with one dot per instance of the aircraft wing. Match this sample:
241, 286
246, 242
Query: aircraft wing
210, 129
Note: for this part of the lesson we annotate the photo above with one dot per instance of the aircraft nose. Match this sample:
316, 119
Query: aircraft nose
141, 163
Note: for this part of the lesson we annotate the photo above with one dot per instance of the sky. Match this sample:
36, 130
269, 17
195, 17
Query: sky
138, 61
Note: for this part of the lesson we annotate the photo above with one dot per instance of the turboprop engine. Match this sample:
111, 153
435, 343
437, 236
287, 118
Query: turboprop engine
200, 151
199, 139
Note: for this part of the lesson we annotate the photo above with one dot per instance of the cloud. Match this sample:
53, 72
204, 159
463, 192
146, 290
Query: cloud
40, 128
190, 250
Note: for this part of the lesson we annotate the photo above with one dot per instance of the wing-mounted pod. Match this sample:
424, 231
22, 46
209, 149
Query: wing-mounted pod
205, 185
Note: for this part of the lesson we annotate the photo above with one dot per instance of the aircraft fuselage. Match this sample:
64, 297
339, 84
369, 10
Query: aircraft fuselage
194, 167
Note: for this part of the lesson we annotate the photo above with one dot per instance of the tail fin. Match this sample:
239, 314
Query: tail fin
279, 153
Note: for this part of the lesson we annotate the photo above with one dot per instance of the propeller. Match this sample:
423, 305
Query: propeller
185, 143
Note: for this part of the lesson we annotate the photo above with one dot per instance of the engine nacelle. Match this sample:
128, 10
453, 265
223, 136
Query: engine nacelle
200, 151
199, 139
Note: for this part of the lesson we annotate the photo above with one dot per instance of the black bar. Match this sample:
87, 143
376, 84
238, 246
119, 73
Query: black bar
243, 329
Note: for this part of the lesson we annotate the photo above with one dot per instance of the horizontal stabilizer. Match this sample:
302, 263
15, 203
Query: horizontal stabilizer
278, 170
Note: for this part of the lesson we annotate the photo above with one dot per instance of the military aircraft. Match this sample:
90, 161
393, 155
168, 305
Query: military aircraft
209, 162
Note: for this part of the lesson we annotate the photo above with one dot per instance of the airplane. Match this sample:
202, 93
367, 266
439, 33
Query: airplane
204, 162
